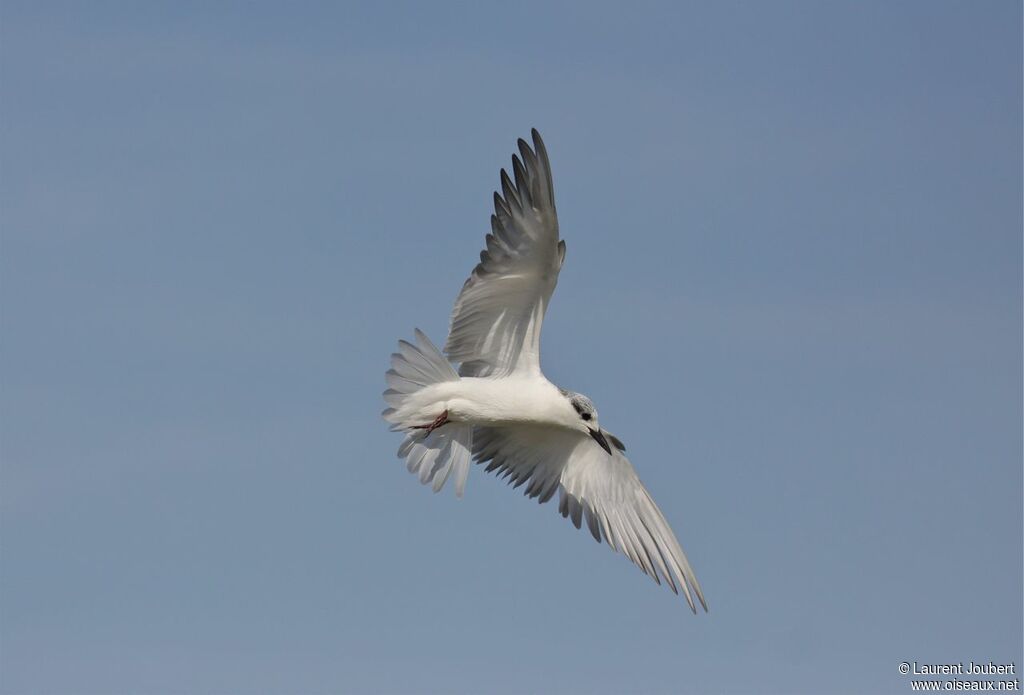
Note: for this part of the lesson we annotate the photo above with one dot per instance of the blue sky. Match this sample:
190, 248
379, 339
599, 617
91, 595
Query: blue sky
793, 288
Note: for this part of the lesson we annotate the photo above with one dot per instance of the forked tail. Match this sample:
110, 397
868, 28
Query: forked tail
431, 455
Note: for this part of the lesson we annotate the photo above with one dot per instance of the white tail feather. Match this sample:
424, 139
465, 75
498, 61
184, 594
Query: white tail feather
433, 456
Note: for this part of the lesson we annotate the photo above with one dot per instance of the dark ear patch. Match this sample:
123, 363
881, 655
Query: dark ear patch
616, 442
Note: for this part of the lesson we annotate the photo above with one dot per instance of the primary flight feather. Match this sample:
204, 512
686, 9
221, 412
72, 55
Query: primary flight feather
501, 410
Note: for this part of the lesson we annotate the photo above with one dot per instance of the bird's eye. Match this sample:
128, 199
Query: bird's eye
585, 416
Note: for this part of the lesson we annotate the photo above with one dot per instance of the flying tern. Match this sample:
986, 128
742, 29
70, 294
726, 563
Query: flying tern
501, 410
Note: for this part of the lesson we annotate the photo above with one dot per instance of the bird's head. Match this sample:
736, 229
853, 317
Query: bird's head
587, 418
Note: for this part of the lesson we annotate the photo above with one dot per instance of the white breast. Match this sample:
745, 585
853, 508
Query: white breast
488, 401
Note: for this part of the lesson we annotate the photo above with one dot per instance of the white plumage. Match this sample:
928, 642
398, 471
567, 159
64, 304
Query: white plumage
501, 410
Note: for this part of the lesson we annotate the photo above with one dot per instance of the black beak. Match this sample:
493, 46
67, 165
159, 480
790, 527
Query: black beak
598, 436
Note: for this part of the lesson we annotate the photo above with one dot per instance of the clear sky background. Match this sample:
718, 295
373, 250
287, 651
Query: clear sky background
793, 288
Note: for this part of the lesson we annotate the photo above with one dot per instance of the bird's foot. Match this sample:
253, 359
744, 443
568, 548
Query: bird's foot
438, 421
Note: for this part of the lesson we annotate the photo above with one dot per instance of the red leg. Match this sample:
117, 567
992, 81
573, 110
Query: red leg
438, 421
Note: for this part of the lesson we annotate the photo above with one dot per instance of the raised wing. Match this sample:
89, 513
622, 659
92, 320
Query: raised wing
603, 489
496, 321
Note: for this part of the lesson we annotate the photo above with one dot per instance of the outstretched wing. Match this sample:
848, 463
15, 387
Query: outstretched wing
496, 321
603, 489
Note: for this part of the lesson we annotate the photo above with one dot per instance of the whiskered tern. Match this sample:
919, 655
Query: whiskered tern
501, 410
